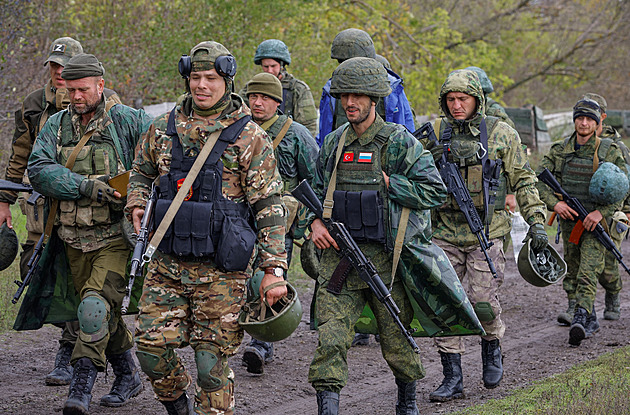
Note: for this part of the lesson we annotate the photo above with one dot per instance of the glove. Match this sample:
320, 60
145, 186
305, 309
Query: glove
98, 191
539, 237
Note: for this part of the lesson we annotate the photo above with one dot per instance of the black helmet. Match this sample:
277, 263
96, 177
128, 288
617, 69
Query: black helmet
8, 246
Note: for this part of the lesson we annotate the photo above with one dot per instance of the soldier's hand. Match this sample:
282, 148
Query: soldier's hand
320, 236
386, 177
539, 237
564, 211
592, 219
5, 215
98, 191
510, 203
275, 293
136, 216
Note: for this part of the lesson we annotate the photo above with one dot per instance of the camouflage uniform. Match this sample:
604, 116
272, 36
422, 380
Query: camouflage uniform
494, 109
188, 302
298, 101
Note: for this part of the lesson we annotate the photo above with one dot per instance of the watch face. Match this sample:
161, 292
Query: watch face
278, 272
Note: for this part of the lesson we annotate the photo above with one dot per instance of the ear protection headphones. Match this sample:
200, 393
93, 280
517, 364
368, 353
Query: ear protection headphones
225, 65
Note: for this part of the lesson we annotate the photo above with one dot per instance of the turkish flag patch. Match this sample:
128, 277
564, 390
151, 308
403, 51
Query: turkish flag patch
348, 156
365, 157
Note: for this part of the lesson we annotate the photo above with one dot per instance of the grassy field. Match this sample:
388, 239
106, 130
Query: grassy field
8, 310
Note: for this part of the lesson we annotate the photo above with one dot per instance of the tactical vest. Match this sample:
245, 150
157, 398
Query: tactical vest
360, 198
467, 151
196, 231
287, 99
577, 173
289, 182
99, 157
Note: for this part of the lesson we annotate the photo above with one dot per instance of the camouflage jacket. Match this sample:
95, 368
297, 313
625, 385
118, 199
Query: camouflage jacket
302, 106
494, 109
555, 159
503, 143
249, 172
36, 109
121, 126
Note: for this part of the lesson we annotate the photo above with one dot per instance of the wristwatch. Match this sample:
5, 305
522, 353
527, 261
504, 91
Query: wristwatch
276, 271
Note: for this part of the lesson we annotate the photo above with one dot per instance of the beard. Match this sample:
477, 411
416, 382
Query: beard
364, 113
87, 108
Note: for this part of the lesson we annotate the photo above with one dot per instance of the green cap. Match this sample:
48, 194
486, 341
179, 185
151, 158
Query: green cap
597, 98
83, 65
62, 49
267, 84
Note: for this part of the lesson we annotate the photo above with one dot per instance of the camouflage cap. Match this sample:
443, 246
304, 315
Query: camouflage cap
83, 65
204, 54
597, 98
352, 43
272, 49
382, 59
267, 84
587, 108
360, 76
62, 49
486, 85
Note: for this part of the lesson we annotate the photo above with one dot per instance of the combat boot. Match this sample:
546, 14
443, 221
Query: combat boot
406, 404
452, 386
127, 383
577, 333
80, 395
62, 373
180, 406
492, 361
256, 354
613, 307
592, 325
565, 319
327, 403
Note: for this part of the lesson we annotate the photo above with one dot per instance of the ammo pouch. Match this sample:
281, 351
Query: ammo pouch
362, 213
619, 227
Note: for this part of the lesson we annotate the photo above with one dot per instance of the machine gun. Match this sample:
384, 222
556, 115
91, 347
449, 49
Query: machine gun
350, 251
600, 234
139, 257
455, 185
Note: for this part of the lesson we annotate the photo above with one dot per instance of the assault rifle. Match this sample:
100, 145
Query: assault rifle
455, 186
350, 251
548, 178
139, 258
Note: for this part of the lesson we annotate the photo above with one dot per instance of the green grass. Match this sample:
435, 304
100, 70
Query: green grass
8, 311
600, 386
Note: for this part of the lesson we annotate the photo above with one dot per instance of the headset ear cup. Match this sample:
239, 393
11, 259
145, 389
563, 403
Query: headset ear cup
225, 65
185, 66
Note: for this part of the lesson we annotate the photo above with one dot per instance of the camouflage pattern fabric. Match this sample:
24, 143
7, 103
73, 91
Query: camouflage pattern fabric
303, 109
175, 313
494, 109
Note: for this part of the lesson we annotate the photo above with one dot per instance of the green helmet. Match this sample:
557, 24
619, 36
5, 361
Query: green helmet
609, 184
360, 76
486, 84
351, 43
8, 246
543, 268
62, 49
270, 324
382, 59
309, 258
272, 49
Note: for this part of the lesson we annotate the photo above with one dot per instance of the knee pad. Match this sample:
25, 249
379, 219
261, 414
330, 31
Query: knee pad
93, 314
156, 363
484, 311
210, 373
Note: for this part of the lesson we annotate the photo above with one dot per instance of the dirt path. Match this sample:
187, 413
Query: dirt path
534, 347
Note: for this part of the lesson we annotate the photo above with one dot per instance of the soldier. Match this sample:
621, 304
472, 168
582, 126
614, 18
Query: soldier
191, 294
297, 100
82, 147
296, 152
573, 161
351, 43
377, 156
476, 139
38, 106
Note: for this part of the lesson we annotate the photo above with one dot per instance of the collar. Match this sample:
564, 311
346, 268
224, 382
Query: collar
369, 134
267, 124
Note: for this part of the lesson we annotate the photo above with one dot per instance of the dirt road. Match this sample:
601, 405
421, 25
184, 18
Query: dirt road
534, 347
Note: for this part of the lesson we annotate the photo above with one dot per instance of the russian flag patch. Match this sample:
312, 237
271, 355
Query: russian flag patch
365, 158
348, 156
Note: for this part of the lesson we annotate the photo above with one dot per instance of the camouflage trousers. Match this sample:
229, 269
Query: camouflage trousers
175, 314
481, 287
586, 263
101, 272
337, 315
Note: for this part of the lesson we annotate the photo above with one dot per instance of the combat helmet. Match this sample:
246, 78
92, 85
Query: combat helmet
609, 184
360, 76
351, 43
540, 268
270, 323
272, 49
486, 84
8, 246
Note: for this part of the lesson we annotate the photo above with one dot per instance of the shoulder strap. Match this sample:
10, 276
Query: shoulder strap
332, 184
282, 133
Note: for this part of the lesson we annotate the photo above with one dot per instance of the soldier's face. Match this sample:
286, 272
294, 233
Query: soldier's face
271, 66
585, 126
55, 75
461, 106
207, 88
263, 107
85, 93
357, 107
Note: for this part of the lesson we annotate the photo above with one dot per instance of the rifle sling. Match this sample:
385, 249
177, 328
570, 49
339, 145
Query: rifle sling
339, 276
282, 133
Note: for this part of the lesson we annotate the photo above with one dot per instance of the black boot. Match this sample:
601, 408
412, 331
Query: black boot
452, 386
406, 404
592, 325
256, 354
492, 363
577, 333
180, 406
62, 373
327, 403
127, 383
80, 394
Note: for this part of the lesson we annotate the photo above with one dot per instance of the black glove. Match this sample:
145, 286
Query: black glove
98, 191
539, 237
